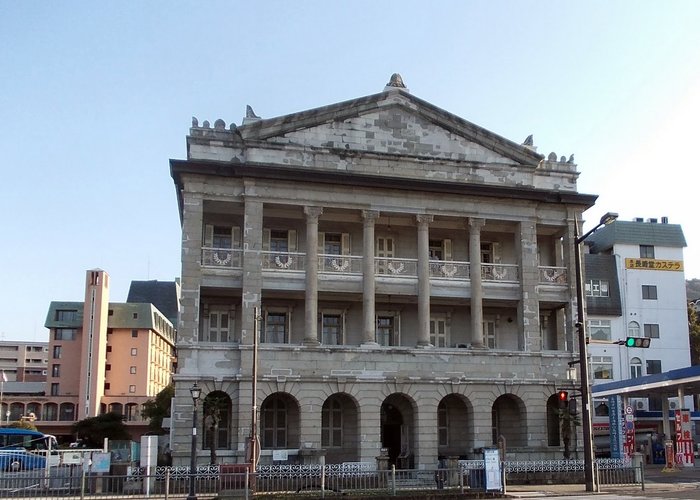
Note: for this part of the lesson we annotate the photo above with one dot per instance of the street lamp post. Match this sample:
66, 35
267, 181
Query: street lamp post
195, 391
583, 354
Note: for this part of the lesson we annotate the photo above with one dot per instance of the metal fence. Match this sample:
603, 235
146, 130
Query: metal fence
76, 481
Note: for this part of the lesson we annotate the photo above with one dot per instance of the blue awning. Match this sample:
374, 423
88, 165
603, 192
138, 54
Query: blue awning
660, 384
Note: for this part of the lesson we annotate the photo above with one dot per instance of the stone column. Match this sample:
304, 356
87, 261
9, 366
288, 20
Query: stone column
529, 305
423, 279
477, 309
311, 310
192, 224
252, 267
368, 311
569, 261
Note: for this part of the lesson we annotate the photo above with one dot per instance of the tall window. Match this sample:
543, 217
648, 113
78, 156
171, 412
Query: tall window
54, 389
57, 352
387, 331
653, 366
646, 251
651, 330
438, 332
597, 288
332, 244
279, 241
635, 368
633, 329
275, 328
602, 367
600, 329
384, 250
55, 370
332, 329
221, 237
332, 424
490, 334
274, 423
443, 425
218, 327
435, 250
649, 292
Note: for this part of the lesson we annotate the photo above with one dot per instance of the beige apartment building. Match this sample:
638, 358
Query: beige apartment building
102, 357
413, 277
23, 361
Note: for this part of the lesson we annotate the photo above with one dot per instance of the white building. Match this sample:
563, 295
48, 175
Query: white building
635, 286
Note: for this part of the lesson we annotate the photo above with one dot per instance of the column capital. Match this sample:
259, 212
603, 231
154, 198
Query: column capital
475, 223
370, 215
313, 212
424, 219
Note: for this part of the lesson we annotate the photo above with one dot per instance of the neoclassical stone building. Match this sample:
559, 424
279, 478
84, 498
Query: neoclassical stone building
413, 277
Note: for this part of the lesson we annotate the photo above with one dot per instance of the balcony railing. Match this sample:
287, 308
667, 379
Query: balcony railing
445, 269
284, 261
396, 267
230, 258
550, 275
499, 272
343, 264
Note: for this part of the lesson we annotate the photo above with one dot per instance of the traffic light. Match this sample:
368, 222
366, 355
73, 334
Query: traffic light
643, 342
563, 398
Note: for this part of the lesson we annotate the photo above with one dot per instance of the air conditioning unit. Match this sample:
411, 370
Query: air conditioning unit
672, 405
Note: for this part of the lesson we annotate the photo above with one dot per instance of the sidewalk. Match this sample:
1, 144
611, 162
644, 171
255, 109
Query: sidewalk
656, 480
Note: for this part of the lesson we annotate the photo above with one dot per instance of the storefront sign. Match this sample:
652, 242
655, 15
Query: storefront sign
654, 264
616, 427
684, 439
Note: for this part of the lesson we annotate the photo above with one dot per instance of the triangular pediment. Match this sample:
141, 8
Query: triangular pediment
392, 122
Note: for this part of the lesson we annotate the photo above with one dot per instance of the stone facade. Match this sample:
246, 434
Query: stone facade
408, 274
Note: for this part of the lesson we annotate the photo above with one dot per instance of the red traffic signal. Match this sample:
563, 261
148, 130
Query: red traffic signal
563, 396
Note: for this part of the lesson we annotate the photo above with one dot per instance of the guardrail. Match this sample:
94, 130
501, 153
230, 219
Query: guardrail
354, 478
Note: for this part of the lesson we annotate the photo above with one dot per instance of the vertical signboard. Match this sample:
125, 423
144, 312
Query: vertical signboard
492, 466
684, 439
616, 427
629, 432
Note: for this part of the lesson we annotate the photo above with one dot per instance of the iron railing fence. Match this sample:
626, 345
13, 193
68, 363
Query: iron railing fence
76, 481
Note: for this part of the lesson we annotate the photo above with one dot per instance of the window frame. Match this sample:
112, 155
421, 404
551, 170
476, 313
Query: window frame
328, 313
601, 325
332, 424
394, 334
652, 330
601, 363
649, 292
647, 252
597, 288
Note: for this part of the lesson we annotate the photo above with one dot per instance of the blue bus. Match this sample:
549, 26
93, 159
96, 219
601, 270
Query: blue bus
24, 449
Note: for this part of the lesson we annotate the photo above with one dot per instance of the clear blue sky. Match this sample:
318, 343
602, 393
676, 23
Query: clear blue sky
95, 97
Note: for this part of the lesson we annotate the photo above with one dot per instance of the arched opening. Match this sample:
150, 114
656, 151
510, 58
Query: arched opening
50, 412
553, 423
279, 421
398, 430
66, 412
339, 429
131, 412
455, 427
509, 419
116, 408
16, 412
217, 421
